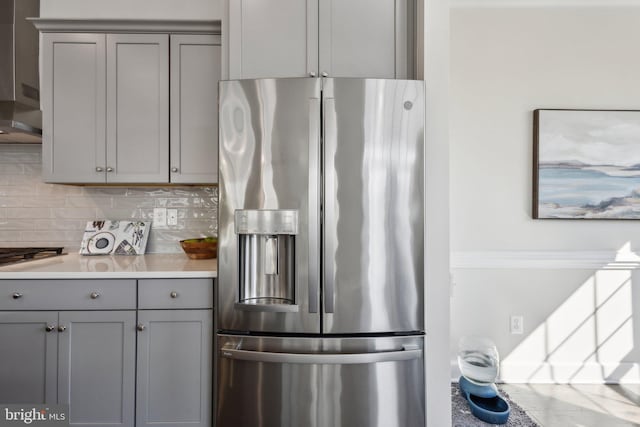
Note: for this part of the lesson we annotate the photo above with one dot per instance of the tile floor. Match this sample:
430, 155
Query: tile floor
578, 405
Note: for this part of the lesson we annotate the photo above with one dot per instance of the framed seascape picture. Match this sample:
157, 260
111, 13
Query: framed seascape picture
586, 164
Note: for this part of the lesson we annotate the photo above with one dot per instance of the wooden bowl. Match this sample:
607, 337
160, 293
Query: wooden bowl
200, 248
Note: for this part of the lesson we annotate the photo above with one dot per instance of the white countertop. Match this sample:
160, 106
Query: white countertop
75, 266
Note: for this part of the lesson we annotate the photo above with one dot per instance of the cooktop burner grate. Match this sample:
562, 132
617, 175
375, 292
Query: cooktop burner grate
16, 255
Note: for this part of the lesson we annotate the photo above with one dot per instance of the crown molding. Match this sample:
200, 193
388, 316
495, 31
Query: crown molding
127, 25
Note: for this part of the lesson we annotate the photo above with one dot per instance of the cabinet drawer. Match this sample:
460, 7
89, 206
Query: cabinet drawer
67, 294
175, 293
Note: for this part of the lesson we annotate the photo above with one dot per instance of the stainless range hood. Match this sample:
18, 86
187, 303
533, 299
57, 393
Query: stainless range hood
20, 116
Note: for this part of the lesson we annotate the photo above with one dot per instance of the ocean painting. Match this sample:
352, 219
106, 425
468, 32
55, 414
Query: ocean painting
587, 164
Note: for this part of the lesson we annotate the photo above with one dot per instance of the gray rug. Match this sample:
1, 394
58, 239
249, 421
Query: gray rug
461, 415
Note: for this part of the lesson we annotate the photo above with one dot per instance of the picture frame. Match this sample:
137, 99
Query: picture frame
586, 164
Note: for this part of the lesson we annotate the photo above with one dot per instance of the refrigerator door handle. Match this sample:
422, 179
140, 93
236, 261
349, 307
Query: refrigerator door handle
330, 146
322, 358
314, 200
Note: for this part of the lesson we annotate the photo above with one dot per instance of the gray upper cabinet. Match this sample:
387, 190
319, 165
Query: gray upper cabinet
195, 72
73, 103
365, 38
106, 108
107, 113
137, 108
273, 39
336, 38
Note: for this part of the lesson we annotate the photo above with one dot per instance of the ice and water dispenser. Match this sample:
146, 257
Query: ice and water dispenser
267, 259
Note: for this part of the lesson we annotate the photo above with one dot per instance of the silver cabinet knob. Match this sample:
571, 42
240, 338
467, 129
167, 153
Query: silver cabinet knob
16, 295
174, 169
62, 328
99, 169
174, 294
312, 74
325, 74
94, 295
109, 169
140, 327
49, 328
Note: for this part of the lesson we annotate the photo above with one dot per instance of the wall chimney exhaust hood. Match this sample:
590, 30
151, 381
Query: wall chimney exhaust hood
20, 115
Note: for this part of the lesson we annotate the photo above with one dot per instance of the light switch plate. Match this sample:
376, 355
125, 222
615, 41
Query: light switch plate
172, 216
159, 217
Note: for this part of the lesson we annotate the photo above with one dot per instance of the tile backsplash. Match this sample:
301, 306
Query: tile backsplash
33, 213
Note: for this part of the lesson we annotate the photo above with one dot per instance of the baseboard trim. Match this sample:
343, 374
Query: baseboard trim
564, 373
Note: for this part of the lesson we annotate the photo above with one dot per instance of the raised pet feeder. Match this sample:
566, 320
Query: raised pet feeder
478, 361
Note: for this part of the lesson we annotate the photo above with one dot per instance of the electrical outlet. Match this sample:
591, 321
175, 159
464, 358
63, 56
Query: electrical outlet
172, 216
159, 217
517, 325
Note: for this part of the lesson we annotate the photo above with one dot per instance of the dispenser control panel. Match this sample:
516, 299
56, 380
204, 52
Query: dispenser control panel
266, 221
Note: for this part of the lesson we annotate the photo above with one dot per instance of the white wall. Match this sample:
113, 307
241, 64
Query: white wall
132, 9
580, 322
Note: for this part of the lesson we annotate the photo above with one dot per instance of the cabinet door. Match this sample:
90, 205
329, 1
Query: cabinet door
270, 38
195, 72
96, 366
28, 356
137, 108
174, 375
73, 104
366, 38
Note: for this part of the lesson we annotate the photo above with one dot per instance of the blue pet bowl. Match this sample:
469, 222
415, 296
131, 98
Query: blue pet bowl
492, 410
485, 402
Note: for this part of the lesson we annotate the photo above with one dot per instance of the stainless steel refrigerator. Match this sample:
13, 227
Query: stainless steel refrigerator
320, 259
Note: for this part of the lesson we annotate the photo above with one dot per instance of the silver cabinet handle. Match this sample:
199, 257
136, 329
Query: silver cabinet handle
140, 327
325, 74
62, 328
109, 169
94, 295
49, 328
320, 358
174, 169
16, 295
99, 169
312, 73
174, 294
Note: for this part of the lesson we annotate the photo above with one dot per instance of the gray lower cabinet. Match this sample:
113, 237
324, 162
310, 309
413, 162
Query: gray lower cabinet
115, 362
335, 38
174, 370
85, 359
28, 356
175, 353
96, 367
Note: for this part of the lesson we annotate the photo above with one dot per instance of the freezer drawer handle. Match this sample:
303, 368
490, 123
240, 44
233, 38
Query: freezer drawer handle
322, 359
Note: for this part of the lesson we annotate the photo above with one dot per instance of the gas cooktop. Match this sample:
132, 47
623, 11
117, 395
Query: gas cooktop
16, 255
